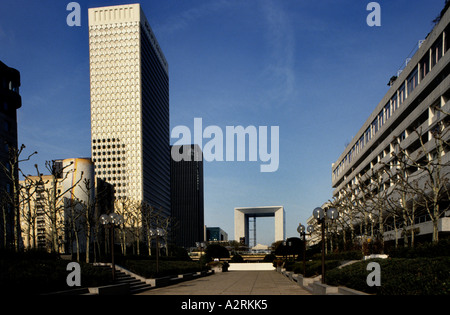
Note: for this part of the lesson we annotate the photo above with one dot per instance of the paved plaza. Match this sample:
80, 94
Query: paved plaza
234, 283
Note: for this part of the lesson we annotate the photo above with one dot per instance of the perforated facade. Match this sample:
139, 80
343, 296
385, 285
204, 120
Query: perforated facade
129, 105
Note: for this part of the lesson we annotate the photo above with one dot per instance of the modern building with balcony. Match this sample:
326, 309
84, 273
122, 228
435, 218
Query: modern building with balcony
412, 121
10, 102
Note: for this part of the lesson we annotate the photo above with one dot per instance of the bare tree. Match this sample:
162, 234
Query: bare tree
54, 194
87, 207
428, 189
12, 171
148, 221
29, 210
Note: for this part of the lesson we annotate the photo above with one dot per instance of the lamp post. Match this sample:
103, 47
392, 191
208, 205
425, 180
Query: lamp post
111, 221
302, 231
321, 215
158, 232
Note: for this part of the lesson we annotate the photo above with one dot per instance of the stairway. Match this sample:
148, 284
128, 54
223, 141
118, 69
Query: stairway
136, 285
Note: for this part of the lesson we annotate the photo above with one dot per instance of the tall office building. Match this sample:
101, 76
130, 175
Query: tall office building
10, 101
187, 197
130, 127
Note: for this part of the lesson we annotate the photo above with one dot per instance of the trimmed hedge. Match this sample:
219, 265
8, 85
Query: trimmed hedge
147, 268
348, 255
38, 276
429, 250
399, 276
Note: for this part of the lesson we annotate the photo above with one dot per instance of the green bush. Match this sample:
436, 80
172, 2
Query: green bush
314, 267
269, 258
420, 276
429, 250
217, 251
237, 259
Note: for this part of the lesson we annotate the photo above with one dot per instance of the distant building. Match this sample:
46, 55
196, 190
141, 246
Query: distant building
73, 184
245, 223
10, 101
216, 234
187, 197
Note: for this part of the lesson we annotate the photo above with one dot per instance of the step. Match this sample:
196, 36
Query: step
135, 285
140, 288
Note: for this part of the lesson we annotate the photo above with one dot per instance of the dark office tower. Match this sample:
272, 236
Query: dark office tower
10, 101
187, 197
130, 127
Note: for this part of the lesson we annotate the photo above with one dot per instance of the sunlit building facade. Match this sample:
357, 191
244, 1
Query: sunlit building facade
405, 119
129, 79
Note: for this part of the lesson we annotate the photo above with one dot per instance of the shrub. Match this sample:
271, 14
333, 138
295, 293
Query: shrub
420, 276
278, 263
237, 259
314, 267
269, 258
429, 250
217, 251
348, 255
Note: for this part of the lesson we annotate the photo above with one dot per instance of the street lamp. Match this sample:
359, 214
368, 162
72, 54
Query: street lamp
158, 232
321, 215
302, 231
111, 221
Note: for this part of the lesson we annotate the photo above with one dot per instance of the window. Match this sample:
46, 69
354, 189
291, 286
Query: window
447, 38
402, 94
381, 119
368, 135
394, 101
402, 136
375, 126
424, 66
387, 111
436, 52
413, 81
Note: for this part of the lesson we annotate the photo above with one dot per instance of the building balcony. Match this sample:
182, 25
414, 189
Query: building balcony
12, 98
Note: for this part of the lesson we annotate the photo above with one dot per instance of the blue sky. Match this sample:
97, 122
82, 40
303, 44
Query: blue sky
313, 68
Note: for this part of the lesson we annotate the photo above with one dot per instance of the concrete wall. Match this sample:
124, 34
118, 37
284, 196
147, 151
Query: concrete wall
250, 267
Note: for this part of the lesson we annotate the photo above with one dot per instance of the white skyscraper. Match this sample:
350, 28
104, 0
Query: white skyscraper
130, 127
